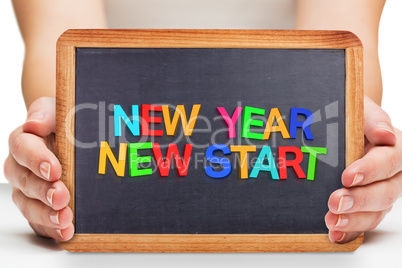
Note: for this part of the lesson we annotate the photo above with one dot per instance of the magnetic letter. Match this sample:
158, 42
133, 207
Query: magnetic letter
259, 166
295, 163
105, 152
248, 122
281, 127
230, 121
164, 166
294, 124
188, 126
134, 159
146, 119
243, 165
134, 126
312, 161
224, 162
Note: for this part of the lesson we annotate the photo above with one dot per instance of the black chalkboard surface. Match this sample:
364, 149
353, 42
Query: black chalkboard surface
196, 203
106, 76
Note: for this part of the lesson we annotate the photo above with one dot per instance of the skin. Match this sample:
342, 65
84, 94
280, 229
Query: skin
371, 184
41, 22
361, 17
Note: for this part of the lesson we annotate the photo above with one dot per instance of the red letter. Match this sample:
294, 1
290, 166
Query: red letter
164, 166
295, 163
146, 119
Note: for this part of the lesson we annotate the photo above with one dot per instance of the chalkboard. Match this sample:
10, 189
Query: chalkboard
116, 72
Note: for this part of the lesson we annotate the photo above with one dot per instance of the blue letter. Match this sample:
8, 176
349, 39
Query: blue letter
227, 167
133, 126
294, 124
259, 166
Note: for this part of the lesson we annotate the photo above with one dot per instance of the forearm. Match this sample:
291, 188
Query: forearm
361, 17
38, 76
41, 22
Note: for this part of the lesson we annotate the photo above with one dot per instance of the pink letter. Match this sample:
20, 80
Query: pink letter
230, 121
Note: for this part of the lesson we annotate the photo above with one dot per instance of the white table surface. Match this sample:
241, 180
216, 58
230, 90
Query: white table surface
19, 247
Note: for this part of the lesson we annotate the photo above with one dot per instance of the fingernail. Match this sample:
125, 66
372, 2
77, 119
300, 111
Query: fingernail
357, 179
345, 203
386, 127
340, 239
49, 195
54, 217
45, 170
342, 221
59, 233
36, 116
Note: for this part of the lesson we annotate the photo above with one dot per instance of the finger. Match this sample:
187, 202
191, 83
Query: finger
31, 152
54, 194
354, 222
57, 234
341, 237
377, 125
377, 196
380, 163
37, 212
41, 119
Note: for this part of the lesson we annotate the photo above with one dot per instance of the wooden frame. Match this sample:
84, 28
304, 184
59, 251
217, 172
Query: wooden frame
65, 102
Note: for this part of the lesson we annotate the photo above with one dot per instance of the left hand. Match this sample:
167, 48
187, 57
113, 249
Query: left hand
372, 183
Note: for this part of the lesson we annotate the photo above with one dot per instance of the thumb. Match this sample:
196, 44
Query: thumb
41, 119
378, 128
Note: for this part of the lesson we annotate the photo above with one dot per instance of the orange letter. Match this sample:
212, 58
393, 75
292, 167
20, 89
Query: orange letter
243, 165
275, 114
171, 125
106, 152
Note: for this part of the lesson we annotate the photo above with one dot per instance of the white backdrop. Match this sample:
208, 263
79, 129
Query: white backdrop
12, 108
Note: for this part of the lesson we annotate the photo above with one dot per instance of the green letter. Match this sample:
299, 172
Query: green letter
248, 122
312, 161
135, 159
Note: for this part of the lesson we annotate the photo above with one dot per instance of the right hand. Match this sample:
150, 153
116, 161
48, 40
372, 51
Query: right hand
34, 172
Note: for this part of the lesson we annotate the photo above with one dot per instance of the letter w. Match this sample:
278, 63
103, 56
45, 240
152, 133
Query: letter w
171, 125
181, 165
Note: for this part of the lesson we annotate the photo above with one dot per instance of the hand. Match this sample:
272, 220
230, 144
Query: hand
34, 171
372, 183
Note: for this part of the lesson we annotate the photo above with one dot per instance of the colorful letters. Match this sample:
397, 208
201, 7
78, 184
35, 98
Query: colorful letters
252, 126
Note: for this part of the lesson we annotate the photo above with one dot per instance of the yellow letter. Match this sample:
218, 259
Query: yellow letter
171, 125
243, 150
106, 152
275, 114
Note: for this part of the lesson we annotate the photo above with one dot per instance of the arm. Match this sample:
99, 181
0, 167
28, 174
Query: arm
373, 183
31, 167
41, 22
361, 17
